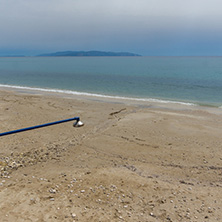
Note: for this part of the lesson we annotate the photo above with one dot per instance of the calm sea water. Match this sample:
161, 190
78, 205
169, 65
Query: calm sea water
185, 79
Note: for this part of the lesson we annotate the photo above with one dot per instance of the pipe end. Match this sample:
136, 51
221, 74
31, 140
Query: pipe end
78, 124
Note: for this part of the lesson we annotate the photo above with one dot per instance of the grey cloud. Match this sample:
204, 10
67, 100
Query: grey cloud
104, 23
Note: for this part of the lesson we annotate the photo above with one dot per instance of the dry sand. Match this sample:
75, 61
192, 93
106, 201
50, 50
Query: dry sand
130, 162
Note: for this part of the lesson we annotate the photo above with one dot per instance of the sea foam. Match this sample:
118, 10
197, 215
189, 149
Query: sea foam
70, 92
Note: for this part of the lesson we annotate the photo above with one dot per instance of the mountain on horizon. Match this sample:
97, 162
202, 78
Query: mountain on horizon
89, 53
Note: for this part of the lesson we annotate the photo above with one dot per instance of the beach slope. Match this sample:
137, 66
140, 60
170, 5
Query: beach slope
129, 162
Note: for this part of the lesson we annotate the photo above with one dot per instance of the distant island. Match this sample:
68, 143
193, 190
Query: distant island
89, 53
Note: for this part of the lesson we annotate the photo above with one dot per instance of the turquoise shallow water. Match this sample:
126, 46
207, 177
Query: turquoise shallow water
185, 79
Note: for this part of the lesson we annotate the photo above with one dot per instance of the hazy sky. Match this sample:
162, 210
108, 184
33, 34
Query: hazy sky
147, 27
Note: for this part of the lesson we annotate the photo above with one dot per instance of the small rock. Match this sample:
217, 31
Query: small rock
73, 215
32, 200
52, 191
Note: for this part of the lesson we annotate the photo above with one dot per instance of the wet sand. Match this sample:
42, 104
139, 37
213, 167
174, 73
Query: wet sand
129, 162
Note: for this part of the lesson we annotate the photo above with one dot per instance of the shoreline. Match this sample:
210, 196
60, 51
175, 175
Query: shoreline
105, 98
76, 93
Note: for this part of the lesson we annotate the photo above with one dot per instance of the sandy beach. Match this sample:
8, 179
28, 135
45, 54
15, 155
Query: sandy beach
131, 161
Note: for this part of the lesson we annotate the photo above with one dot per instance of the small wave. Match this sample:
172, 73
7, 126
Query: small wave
70, 92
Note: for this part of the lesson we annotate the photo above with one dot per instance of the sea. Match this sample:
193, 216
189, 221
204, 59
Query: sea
185, 80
